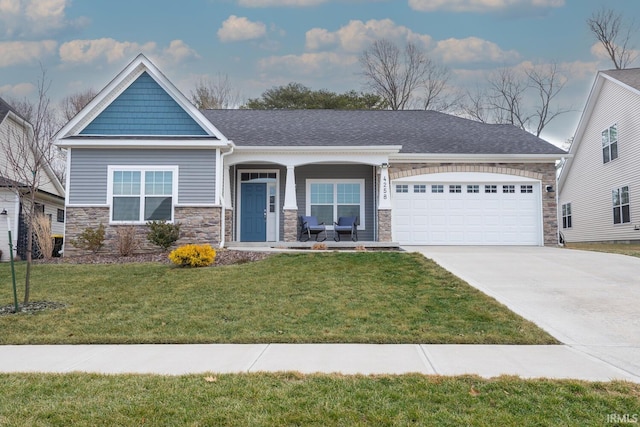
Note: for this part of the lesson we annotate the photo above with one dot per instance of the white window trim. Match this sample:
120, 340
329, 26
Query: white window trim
142, 169
621, 223
609, 143
563, 215
361, 217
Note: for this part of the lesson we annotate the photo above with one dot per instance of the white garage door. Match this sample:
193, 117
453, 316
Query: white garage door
467, 209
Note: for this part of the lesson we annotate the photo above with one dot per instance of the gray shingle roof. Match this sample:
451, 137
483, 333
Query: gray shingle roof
628, 76
5, 108
416, 131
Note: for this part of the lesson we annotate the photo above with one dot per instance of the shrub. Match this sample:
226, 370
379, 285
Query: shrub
162, 233
126, 240
193, 256
91, 239
319, 247
42, 231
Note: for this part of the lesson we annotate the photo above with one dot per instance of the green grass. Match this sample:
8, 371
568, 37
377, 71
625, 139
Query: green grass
372, 297
614, 248
289, 399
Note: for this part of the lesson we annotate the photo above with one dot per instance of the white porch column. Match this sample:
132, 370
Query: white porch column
226, 192
290, 190
384, 198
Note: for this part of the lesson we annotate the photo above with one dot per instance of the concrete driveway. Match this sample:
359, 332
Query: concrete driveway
587, 300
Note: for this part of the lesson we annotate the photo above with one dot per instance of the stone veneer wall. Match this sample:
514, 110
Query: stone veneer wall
198, 225
290, 225
545, 172
384, 225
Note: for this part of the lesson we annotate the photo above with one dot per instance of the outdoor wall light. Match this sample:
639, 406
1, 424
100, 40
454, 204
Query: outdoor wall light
549, 189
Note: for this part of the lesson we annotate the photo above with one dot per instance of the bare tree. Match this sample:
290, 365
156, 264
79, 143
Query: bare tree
392, 74
28, 152
506, 97
407, 78
72, 104
215, 94
615, 35
546, 82
521, 98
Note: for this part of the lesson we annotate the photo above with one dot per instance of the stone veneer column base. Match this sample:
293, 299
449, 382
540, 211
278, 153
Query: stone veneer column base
290, 225
198, 225
384, 225
228, 225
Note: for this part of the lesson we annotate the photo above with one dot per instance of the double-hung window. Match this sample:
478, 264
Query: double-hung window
566, 215
142, 194
330, 199
621, 213
610, 144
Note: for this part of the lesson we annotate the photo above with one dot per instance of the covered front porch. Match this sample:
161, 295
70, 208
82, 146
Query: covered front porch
266, 192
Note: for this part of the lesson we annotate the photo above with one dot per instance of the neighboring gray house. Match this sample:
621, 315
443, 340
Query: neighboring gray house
599, 186
141, 151
14, 131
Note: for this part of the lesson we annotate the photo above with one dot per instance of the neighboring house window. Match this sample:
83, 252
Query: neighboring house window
566, 215
526, 188
402, 188
610, 144
329, 200
621, 213
420, 188
473, 188
490, 188
142, 194
60, 216
455, 189
438, 188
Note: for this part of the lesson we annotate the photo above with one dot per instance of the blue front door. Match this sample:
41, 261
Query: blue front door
253, 220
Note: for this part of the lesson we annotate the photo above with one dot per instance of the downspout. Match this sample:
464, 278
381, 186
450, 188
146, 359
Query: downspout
223, 216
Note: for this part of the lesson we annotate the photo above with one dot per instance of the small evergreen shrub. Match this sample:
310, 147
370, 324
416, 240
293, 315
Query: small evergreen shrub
163, 234
193, 256
91, 239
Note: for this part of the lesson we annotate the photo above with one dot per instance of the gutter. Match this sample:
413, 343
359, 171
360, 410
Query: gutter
223, 221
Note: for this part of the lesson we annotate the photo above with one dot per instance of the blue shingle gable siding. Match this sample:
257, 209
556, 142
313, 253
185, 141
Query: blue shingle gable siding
144, 108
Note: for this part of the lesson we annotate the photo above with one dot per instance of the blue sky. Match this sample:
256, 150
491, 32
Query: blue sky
259, 44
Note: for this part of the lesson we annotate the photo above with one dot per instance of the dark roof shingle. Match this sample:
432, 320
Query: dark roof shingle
417, 131
628, 76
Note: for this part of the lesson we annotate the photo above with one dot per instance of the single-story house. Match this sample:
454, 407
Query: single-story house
141, 151
599, 186
15, 133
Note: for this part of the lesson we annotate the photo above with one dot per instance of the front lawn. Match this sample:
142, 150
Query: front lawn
368, 297
613, 248
289, 399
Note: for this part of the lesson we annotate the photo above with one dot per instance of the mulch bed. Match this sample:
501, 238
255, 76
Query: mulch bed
223, 257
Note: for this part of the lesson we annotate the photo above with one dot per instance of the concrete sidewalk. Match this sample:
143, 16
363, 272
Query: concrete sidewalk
555, 361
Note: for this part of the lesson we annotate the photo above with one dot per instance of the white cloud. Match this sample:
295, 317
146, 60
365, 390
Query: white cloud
472, 49
19, 90
240, 28
30, 18
17, 53
270, 3
89, 51
178, 51
479, 5
307, 63
357, 35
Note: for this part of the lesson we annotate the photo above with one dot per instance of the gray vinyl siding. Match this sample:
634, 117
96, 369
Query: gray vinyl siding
303, 173
589, 182
88, 172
